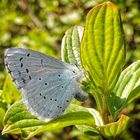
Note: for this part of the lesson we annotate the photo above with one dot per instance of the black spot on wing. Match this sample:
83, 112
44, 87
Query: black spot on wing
9, 71
21, 65
20, 58
73, 71
30, 77
19, 73
23, 80
27, 70
67, 100
41, 61
28, 54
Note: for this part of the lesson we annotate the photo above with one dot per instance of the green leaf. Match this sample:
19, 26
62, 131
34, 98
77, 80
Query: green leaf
98, 121
103, 49
115, 128
10, 93
70, 50
3, 108
19, 120
126, 89
133, 95
2, 113
88, 130
2, 102
97, 117
74, 118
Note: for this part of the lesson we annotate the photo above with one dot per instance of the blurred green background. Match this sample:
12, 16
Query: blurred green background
41, 24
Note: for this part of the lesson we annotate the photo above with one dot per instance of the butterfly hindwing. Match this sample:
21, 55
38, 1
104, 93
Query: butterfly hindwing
48, 97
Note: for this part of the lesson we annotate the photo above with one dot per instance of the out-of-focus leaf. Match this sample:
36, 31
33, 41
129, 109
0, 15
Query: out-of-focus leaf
68, 18
10, 93
103, 49
18, 120
126, 89
3, 108
38, 40
115, 128
2, 113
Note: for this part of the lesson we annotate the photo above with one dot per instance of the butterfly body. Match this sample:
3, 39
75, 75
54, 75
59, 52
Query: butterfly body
48, 85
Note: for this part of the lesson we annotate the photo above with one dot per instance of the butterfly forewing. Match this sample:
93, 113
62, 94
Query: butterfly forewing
24, 64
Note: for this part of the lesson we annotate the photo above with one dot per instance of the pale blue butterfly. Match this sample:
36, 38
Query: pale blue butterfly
48, 85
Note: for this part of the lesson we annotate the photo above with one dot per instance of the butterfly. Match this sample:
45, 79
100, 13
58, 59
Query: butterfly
47, 84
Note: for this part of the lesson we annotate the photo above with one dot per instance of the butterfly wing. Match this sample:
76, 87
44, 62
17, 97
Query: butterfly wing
48, 97
24, 64
48, 85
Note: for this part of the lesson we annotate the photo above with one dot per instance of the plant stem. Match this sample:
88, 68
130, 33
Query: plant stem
105, 110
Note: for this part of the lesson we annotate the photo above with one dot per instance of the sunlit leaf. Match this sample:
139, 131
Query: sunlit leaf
92, 131
97, 117
19, 120
115, 128
126, 89
103, 49
70, 50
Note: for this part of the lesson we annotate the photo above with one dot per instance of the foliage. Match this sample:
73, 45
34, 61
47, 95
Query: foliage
40, 25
